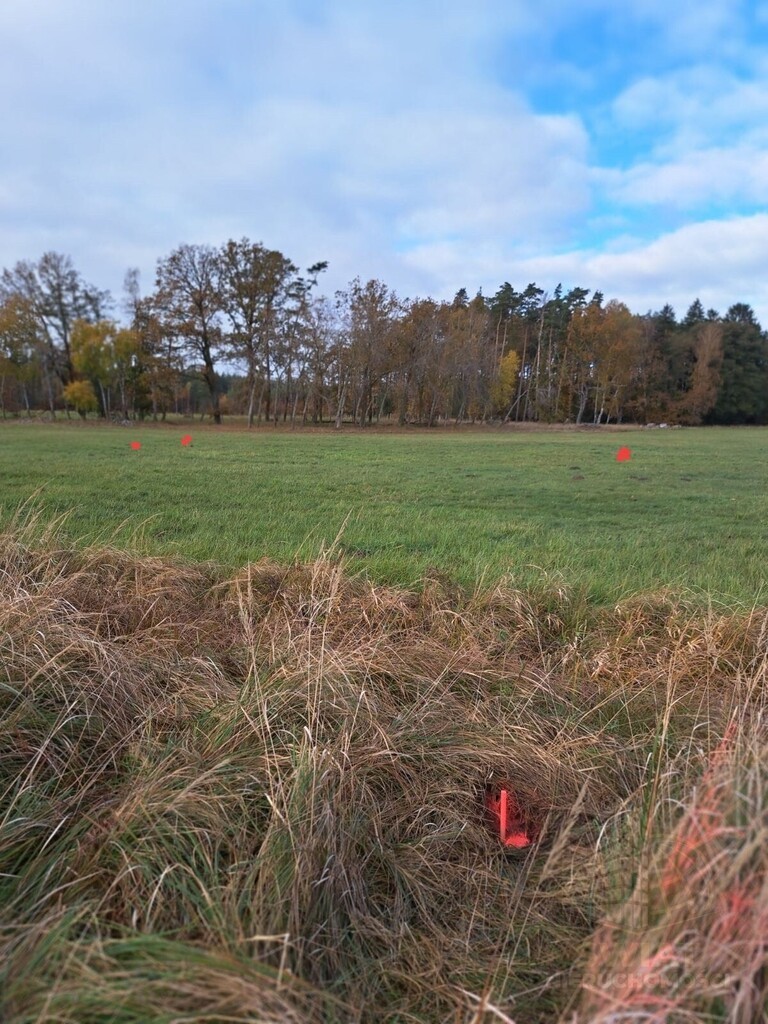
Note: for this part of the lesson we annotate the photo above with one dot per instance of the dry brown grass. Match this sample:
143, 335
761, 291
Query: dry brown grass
261, 799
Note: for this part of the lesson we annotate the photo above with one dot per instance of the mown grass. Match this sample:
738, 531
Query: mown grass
259, 798
687, 512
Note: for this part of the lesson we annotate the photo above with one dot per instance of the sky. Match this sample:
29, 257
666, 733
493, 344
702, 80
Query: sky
432, 144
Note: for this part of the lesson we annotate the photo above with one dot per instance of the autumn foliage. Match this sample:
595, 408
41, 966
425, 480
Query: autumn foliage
81, 396
366, 354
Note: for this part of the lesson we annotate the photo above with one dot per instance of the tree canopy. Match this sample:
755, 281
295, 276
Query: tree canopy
241, 328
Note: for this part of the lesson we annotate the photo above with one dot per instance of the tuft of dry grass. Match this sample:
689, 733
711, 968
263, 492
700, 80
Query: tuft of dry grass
691, 942
262, 798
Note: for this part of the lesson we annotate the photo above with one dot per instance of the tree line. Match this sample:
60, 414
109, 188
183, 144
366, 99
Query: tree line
241, 329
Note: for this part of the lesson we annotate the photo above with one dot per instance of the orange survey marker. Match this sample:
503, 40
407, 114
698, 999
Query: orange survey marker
507, 816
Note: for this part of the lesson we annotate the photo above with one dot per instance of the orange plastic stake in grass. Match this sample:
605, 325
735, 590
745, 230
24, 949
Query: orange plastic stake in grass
505, 810
623, 455
135, 445
186, 441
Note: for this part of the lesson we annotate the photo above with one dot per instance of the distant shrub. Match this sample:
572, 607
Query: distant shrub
81, 396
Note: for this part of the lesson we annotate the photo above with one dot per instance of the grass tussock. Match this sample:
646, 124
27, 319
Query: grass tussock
261, 799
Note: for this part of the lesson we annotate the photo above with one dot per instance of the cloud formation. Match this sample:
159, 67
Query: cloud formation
435, 146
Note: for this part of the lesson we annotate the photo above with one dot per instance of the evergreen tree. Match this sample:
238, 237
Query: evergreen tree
695, 314
743, 393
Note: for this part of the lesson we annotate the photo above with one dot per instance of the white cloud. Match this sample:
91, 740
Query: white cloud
700, 102
375, 136
700, 178
706, 141
720, 261
350, 136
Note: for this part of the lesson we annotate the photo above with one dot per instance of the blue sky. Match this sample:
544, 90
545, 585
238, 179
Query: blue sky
433, 145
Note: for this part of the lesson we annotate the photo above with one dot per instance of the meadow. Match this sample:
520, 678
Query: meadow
245, 780
687, 512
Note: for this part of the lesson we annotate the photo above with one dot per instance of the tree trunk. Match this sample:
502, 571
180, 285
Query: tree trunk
340, 406
537, 371
209, 376
599, 415
104, 402
51, 403
261, 400
295, 405
251, 403
267, 384
403, 411
583, 396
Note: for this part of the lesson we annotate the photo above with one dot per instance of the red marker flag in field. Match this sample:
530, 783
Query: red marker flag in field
507, 816
135, 445
186, 441
623, 455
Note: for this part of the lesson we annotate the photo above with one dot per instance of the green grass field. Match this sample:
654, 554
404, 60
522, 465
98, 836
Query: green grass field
261, 794
687, 512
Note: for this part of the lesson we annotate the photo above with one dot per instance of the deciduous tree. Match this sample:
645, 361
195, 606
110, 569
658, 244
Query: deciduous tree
56, 297
504, 388
81, 396
255, 288
190, 302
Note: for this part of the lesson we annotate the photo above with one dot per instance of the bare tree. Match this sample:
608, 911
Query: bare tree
190, 301
369, 314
